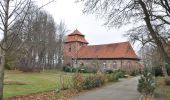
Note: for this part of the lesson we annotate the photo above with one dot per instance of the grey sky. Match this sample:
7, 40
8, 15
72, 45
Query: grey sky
91, 27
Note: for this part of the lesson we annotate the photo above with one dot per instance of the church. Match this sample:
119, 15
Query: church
113, 56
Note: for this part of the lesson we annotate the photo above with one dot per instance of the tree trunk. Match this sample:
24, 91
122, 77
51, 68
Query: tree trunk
154, 35
2, 63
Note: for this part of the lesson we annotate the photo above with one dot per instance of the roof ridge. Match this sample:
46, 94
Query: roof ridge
109, 43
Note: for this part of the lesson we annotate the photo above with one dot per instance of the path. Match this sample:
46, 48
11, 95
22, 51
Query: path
126, 89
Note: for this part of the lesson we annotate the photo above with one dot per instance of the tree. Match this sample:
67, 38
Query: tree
42, 42
10, 10
146, 84
139, 12
61, 31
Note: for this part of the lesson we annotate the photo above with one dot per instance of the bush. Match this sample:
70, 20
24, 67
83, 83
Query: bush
78, 81
69, 69
157, 71
120, 74
168, 70
112, 77
109, 71
115, 77
133, 73
167, 81
146, 83
74, 70
88, 83
66, 69
93, 81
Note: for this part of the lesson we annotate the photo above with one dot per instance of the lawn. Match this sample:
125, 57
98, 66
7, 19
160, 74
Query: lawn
18, 83
162, 89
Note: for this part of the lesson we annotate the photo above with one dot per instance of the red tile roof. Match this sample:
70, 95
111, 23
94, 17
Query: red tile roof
76, 36
76, 32
116, 50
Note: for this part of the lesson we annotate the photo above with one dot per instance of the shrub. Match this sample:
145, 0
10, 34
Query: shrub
74, 70
146, 83
167, 81
93, 81
115, 77
168, 70
120, 74
88, 83
109, 71
101, 79
66, 69
69, 69
78, 81
133, 73
112, 77
157, 71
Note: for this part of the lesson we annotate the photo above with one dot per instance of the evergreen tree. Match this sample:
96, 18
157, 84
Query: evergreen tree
146, 83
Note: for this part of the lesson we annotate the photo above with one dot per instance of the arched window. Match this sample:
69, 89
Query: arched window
81, 64
70, 48
114, 65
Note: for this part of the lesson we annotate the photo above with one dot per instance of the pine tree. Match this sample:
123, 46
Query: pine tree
146, 83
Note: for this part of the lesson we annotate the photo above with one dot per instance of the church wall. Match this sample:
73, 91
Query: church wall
127, 65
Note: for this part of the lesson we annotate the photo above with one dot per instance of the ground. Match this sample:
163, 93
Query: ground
162, 91
18, 83
126, 89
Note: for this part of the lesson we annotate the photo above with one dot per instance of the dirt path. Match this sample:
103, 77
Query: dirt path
126, 89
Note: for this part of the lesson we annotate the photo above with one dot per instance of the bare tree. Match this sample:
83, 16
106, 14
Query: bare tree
10, 10
61, 31
139, 12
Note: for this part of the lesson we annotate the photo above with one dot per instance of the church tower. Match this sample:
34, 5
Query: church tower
72, 44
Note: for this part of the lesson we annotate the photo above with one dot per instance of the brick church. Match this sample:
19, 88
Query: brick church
78, 53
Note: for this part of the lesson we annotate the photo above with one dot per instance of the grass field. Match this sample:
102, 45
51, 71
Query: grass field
162, 89
18, 83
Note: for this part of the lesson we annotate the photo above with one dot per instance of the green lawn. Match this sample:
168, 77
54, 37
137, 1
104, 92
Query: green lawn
162, 89
17, 83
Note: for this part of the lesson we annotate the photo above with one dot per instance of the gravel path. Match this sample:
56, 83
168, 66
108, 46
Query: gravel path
126, 89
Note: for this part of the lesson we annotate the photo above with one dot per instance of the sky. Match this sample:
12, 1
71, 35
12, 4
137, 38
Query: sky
93, 29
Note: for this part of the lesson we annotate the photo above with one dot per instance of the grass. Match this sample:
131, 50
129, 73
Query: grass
162, 89
19, 83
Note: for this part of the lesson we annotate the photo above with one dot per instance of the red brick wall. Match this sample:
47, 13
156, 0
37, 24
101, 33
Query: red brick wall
71, 49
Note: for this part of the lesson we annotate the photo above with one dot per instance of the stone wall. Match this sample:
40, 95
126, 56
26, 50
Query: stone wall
127, 65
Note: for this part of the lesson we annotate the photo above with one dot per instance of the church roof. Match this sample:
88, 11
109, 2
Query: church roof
76, 36
115, 50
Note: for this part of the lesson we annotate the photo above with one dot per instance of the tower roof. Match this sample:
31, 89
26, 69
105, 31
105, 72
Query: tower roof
76, 36
76, 32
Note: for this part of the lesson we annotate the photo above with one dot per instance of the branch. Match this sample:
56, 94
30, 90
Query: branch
161, 18
45, 5
2, 6
1, 29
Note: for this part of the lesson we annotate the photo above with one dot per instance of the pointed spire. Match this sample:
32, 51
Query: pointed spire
76, 32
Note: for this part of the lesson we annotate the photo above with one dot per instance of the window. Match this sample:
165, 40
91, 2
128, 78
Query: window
81, 64
114, 65
69, 48
81, 44
129, 63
